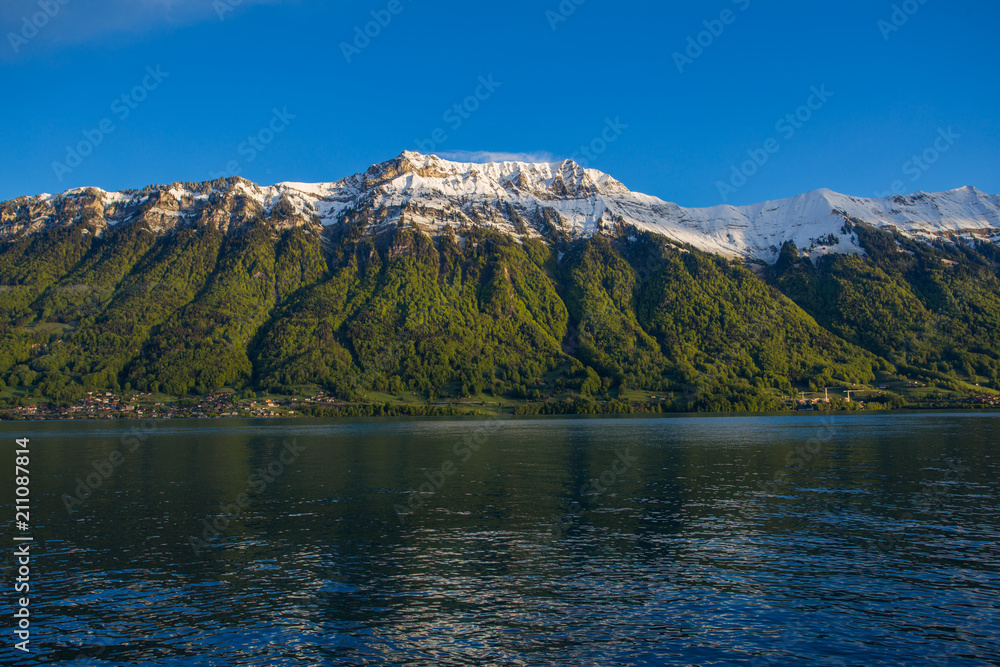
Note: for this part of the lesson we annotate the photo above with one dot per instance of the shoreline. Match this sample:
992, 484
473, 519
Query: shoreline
915, 411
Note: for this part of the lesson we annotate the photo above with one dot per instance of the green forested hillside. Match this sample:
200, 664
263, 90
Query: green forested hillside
261, 308
931, 310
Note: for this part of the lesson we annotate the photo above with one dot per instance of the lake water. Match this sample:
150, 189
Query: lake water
757, 540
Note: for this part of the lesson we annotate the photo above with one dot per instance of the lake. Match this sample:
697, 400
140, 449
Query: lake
852, 539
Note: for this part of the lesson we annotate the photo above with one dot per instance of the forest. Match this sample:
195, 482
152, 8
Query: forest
476, 313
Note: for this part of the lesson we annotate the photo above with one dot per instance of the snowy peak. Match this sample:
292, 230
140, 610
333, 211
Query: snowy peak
544, 179
814, 221
549, 200
539, 199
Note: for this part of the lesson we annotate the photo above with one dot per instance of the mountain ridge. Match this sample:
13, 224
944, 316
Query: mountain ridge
547, 200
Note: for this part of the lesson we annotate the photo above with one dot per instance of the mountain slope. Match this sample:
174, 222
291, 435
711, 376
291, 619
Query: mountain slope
932, 309
426, 278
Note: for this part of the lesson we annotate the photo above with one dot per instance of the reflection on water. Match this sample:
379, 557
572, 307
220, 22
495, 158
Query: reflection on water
847, 540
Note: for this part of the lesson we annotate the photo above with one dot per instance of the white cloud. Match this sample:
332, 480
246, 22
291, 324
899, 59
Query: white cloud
71, 22
495, 156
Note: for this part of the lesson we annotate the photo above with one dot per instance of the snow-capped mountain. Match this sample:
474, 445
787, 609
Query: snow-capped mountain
559, 199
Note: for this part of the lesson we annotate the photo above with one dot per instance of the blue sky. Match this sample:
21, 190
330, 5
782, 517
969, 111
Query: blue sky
688, 101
